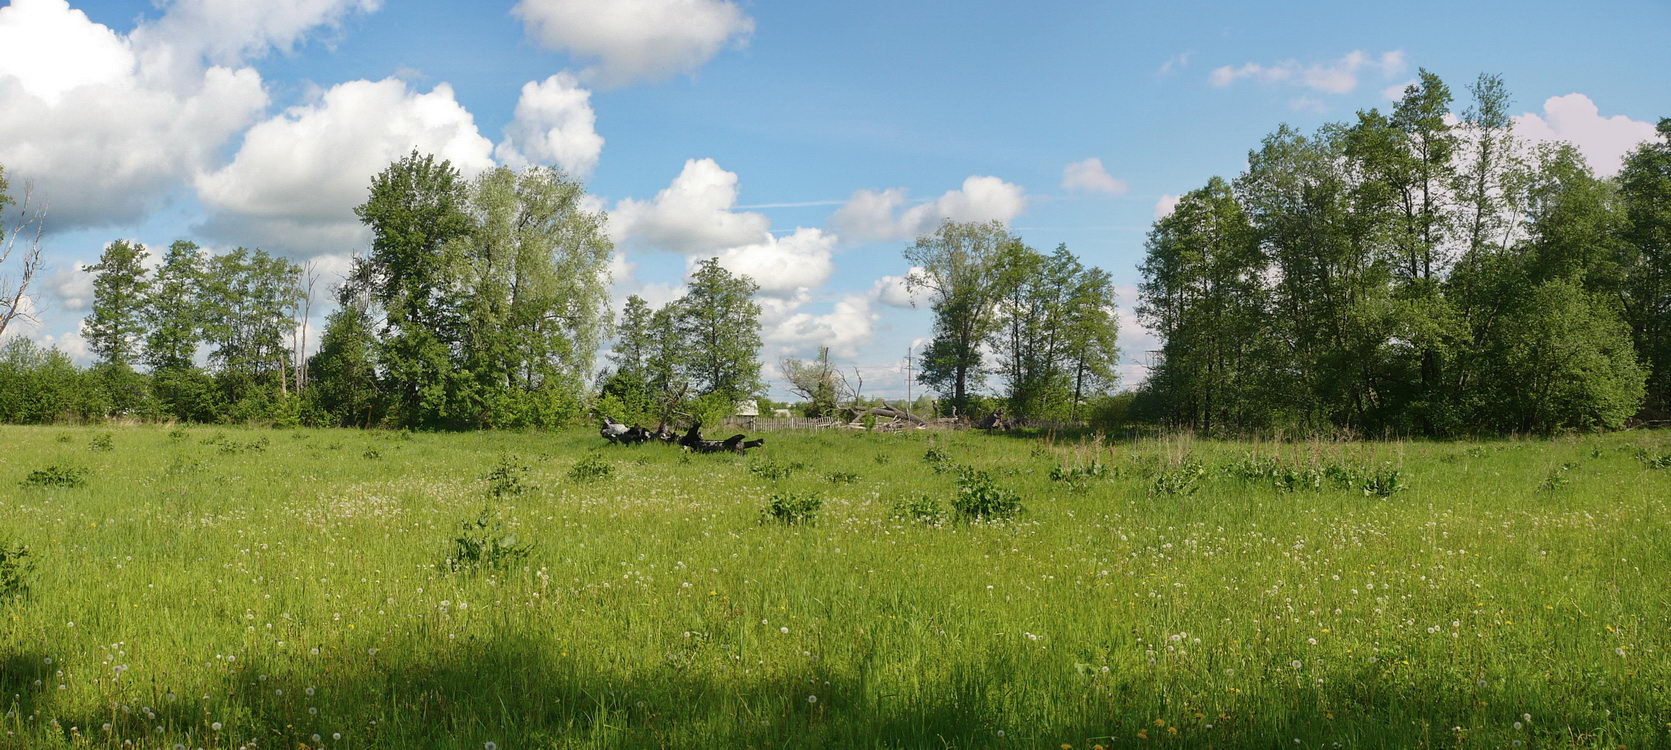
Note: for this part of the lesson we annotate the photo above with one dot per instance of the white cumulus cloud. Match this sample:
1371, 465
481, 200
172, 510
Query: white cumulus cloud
783, 266
693, 214
1089, 176
886, 215
847, 328
1575, 119
85, 120
554, 124
294, 182
1332, 76
893, 291
636, 40
1164, 206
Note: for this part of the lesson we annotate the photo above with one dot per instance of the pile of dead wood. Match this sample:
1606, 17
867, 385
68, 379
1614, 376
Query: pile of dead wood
896, 419
620, 434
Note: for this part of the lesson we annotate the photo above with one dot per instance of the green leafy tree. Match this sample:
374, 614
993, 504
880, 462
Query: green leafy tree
248, 298
535, 274
344, 381
719, 322
114, 327
964, 274
172, 313
1201, 294
417, 213
816, 381
1645, 189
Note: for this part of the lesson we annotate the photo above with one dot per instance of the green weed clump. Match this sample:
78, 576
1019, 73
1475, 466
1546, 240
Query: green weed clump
1182, 479
590, 469
979, 498
1384, 482
509, 478
770, 469
15, 570
56, 476
923, 509
841, 477
791, 509
484, 543
103, 443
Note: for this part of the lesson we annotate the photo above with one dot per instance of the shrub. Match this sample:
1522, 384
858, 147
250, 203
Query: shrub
1557, 477
103, 442
1384, 482
183, 466
590, 468
56, 476
1654, 460
791, 509
1079, 477
918, 509
484, 543
15, 570
508, 479
1183, 479
770, 469
979, 498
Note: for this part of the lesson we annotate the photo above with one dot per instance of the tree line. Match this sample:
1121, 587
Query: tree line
1418, 271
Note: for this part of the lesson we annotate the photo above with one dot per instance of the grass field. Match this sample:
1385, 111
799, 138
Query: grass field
223, 588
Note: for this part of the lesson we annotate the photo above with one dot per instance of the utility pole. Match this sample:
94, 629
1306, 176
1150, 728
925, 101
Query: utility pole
908, 401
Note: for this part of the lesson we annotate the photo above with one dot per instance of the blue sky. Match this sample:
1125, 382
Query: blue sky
800, 142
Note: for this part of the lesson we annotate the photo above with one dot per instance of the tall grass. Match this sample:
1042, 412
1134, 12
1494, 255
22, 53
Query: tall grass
294, 595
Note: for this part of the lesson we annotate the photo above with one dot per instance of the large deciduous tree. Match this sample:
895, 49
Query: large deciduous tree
964, 272
720, 324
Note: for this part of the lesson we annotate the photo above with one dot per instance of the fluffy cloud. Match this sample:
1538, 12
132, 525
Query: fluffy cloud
1575, 119
1164, 206
892, 290
227, 32
1333, 76
884, 215
632, 40
73, 287
846, 328
691, 215
101, 137
783, 266
554, 124
294, 182
1090, 177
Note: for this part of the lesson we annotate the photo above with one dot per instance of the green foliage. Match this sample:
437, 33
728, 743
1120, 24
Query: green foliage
484, 544
1558, 478
509, 478
792, 508
979, 498
720, 324
923, 509
1183, 478
1416, 271
1654, 459
841, 477
103, 442
590, 469
1385, 481
115, 324
965, 273
56, 475
16, 570
773, 470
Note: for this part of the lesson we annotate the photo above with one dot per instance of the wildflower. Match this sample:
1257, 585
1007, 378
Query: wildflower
1295, 664
215, 726
812, 699
784, 631
491, 746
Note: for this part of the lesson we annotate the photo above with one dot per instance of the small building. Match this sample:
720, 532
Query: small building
747, 407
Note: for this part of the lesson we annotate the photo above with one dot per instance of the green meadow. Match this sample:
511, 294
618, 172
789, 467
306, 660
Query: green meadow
229, 588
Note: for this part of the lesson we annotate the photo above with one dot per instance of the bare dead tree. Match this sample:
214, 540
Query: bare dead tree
310, 277
29, 226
